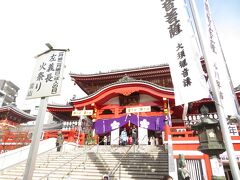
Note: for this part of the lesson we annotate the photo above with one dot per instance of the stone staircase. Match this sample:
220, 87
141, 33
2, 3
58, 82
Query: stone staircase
140, 163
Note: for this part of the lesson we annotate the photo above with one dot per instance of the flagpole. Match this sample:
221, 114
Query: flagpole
79, 128
222, 118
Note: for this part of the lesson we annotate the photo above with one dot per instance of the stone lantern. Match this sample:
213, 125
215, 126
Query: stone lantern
211, 142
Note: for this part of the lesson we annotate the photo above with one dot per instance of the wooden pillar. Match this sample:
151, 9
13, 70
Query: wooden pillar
167, 131
71, 135
208, 166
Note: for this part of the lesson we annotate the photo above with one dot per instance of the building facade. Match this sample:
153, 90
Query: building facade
141, 98
8, 92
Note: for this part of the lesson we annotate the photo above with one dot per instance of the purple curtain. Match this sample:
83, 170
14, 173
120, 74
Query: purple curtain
155, 123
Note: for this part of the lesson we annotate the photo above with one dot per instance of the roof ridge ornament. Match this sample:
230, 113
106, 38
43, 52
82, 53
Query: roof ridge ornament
204, 110
126, 78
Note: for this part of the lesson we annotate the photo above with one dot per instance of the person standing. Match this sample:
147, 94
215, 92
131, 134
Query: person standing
134, 135
59, 141
105, 140
129, 140
183, 173
108, 139
124, 137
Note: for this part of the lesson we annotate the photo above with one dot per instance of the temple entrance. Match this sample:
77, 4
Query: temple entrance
130, 136
155, 138
104, 139
142, 135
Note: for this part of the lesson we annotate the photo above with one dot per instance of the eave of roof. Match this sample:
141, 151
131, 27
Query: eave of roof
127, 82
121, 71
18, 111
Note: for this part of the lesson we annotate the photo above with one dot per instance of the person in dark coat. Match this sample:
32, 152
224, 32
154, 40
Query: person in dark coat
134, 135
59, 141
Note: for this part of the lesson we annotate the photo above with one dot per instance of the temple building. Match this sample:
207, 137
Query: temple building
142, 98
11, 134
113, 96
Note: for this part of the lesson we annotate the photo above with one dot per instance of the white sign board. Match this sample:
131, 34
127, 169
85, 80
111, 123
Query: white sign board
217, 168
47, 75
115, 137
143, 136
138, 109
82, 112
183, 53
224, 156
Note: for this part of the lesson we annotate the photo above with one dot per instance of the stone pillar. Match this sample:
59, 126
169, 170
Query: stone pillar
217, 168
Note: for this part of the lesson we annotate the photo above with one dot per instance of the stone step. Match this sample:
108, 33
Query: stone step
98, 177
85, 172
98, 161
105, 153
104, 161
94, 167
137, 165
99, 165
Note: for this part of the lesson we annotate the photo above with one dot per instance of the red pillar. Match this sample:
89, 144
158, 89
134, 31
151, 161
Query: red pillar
82, 139
71, 135
167, 131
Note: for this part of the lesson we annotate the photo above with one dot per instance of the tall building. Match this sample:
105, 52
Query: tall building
8, 92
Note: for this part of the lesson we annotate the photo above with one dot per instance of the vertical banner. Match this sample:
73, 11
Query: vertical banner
218, 66
183, 55
47, 75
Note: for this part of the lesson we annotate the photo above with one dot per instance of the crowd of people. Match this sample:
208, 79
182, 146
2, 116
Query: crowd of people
128, 139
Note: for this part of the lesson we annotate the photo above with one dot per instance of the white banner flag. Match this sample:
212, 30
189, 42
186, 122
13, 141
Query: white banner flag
47, 76
217, 65
184, 59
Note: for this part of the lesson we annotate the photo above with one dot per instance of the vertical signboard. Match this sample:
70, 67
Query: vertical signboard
47, 75
46, 81
218, 66
183, 56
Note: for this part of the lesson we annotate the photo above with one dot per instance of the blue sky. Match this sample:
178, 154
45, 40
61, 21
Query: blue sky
225, 13
101, 35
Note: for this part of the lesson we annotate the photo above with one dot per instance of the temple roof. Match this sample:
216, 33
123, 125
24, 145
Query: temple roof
122, 86
14, 114
89, 83
127, 81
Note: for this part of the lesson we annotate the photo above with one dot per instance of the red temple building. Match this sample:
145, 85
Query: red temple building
11, 136
114, 96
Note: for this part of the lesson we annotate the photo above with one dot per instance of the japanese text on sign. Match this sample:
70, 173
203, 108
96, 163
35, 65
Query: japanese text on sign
47, 76
174, 29
82, 112
233, 130
171, 17
138, 109
212, 43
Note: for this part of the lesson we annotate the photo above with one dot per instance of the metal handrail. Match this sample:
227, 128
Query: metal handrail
48, 151
110, 174
115, 168
101, 141
69, 161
